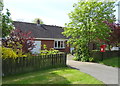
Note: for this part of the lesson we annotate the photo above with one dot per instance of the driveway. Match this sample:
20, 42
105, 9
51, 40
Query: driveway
106, 74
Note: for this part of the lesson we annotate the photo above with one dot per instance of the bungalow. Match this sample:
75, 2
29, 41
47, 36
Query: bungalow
49, 35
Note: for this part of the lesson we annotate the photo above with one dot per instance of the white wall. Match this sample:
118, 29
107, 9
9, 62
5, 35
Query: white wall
117, 13
37, 47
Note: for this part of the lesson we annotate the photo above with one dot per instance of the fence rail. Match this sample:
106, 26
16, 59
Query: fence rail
97, 55
26, 64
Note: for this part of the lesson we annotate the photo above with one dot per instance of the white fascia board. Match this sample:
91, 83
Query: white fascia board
51, 39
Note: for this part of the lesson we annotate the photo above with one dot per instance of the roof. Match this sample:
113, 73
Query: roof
40, 31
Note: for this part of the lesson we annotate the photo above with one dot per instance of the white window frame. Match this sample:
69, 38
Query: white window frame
60, 44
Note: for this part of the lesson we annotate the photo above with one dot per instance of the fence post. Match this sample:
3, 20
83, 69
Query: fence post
65, 57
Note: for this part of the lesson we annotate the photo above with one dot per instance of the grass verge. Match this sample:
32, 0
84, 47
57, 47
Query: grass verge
114, 62
52, 76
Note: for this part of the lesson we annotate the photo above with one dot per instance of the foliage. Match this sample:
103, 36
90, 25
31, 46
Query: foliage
8, 53
114, 38
7, 25
22, 41
91, 59
1, 5
53, 51
86, 25
36, 19
1, 8
44, 47
48, 52
98, 56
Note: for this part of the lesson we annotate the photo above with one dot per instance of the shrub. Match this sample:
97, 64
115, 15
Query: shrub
21, 40
53, 51
98, 56
43, 52
8, 53
91, 59
76, 58
20, 53
48, 52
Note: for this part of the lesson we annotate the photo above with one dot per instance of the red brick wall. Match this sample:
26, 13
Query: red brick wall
50, 44
66, 49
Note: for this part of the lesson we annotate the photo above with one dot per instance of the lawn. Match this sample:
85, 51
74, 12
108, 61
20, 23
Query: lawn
114, 62
52, 76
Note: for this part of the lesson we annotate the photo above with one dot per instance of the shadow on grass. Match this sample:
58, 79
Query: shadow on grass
52, 77
35, 78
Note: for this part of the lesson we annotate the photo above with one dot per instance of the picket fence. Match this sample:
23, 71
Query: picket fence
33, 63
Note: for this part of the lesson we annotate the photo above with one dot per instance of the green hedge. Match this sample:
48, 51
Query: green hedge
97, 55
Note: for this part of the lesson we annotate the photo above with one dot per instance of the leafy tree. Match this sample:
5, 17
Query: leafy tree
86, 25
1, 8
114, 39
7, 25
36, 19
1, 5
19, 41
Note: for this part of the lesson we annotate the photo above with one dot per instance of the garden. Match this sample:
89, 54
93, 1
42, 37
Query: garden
21, 66
93, 23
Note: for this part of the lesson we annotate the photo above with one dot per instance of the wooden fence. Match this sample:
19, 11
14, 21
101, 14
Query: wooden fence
97, 55
27, 64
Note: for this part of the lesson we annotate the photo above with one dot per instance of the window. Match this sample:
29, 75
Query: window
59, 44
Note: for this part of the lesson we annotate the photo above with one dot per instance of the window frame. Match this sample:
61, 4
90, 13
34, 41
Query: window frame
61, 41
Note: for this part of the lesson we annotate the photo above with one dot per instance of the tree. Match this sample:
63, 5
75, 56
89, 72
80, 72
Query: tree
1, 5
1, 8
114, 39
86, 25
36, 19
7, 25
19, 41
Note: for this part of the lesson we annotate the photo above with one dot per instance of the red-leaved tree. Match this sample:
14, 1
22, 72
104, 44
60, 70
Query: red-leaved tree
19, 40
114, 38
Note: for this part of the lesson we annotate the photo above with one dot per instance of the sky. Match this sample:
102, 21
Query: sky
52, 12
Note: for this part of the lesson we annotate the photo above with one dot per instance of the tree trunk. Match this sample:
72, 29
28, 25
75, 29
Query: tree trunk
109, 47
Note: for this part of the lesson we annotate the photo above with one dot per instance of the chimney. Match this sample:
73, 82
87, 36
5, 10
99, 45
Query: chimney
38, 23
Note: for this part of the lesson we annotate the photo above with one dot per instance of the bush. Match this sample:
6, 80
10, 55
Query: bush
76, 58
53, 51
91, 59
98, 56
44, 52
48, 52
8, 53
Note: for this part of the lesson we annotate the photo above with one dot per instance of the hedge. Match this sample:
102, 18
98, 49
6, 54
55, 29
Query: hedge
97, 55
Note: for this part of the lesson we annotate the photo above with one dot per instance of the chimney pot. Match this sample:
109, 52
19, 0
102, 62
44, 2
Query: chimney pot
38, 22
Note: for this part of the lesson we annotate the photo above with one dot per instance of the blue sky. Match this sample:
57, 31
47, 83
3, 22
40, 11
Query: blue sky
52, 12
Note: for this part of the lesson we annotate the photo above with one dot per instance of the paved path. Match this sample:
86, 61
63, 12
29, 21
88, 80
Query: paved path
106, 74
